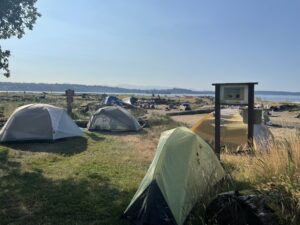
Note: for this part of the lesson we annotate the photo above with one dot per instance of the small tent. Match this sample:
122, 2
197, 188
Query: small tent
113, 118
39, 122
183, 170
130, 100
112, 100
234, 132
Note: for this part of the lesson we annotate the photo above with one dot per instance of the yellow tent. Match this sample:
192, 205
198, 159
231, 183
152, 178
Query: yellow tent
234, 132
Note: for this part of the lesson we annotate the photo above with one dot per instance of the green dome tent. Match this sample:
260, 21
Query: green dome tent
183, 170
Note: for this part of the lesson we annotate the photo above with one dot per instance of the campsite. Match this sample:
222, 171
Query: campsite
92, 179
149, 112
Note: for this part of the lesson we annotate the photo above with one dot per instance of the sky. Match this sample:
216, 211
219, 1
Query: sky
161, 43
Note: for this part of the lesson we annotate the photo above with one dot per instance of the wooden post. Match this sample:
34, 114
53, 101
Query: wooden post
69, 108
70, 94
250, 115
217, 121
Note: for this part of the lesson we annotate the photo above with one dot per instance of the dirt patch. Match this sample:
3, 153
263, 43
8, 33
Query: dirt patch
143, 145
283, 133
286, 119
189, 120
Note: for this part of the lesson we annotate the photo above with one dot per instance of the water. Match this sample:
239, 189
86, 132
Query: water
280, 98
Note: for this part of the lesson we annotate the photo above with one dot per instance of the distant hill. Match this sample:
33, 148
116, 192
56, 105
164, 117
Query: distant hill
44, 87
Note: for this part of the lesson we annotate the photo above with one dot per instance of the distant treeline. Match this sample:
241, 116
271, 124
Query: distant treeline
43, 87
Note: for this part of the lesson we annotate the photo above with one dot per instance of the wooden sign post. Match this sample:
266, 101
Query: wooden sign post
233, 94
70, 94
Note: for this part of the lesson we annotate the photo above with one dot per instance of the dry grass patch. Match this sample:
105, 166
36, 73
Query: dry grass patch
274, 171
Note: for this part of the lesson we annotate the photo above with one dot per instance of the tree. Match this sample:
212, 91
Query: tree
15, 17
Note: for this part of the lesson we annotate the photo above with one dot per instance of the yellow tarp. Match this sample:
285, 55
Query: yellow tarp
234, 132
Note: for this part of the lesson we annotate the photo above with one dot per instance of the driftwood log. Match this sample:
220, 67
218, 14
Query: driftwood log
192, 112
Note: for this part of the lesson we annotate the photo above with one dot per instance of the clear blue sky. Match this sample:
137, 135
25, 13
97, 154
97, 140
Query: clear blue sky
168, 43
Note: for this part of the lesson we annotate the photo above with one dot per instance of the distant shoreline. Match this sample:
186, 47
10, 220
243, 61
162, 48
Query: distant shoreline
98, 89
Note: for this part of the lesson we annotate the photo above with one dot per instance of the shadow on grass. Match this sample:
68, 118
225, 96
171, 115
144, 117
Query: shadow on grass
94, 136
121, 133
7, 166
69, 146
231, 184
31, 198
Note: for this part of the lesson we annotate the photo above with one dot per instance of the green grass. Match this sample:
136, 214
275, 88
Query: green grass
74, 181
92, 180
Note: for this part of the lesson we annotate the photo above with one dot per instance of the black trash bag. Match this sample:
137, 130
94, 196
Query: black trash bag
234, 209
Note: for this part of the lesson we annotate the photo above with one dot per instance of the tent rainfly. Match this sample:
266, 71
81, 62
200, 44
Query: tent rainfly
39, 122
113, 118
233, 130
112, 100
183, 170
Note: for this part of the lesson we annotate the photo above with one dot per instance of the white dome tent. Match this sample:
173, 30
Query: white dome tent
35, 122
113, 118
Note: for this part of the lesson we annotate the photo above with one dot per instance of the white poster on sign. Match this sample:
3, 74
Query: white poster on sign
234, 94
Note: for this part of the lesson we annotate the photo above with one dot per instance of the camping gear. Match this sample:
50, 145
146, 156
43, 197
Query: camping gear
183, 170
233, 130
112, 100
130, 100
258, 116
39, 122
232, 208
185, 107
113, 118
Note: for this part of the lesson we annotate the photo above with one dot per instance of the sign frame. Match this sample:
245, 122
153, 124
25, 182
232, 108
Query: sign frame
247, 99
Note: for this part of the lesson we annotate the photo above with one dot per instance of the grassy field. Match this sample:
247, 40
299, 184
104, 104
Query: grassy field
91, 180
76, 181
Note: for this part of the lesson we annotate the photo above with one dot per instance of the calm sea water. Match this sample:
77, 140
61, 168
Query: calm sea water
275, 98
280, 98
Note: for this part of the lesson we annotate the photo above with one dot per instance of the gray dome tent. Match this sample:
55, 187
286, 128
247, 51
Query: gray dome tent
39, 122
183, 170
113, 118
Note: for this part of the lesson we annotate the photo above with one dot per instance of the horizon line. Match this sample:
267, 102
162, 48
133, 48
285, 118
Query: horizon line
139, 88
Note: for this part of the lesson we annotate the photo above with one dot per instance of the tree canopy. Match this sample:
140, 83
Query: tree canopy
15, 17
